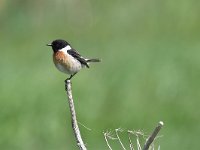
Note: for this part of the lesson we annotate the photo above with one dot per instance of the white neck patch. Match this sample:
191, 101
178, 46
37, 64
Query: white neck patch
65, 49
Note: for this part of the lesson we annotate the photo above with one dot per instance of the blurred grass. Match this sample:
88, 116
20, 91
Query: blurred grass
149, 72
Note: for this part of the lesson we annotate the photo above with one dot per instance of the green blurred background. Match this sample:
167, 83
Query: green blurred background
149, 72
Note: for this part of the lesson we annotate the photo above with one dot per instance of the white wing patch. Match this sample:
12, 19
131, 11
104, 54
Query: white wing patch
65, 49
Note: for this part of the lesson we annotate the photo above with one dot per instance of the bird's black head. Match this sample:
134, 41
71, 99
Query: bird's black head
58, 44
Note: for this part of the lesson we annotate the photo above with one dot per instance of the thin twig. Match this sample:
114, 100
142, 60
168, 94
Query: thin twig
138, 142
159, 147
105, 136
153, 135
152, 146
130, 142
73, 116
116, 131
85, 126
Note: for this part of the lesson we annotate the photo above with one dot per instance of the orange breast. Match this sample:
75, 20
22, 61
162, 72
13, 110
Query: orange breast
66, 63
60, 59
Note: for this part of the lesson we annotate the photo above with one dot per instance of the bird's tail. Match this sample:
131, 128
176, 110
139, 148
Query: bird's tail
93, 60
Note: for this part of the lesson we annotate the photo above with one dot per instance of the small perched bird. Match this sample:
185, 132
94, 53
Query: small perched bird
67, 59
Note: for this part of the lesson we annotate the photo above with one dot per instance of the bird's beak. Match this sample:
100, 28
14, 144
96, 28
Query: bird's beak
49, 44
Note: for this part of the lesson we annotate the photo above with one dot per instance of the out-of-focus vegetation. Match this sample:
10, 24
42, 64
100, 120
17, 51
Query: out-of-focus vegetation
150, 71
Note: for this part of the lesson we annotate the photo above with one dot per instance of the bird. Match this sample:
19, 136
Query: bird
67, 59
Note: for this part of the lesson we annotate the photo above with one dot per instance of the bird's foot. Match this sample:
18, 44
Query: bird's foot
68, 79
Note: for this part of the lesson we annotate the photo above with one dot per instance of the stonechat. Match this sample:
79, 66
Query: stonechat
67, 59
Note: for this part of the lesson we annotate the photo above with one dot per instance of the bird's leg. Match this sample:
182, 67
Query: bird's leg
70, 77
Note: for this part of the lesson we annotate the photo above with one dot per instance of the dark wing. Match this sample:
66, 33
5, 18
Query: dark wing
76, 55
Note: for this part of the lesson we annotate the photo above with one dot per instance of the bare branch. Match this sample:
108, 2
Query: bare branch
153, 135
73, 116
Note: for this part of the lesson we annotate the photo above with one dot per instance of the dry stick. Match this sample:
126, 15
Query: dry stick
130, 142
153, 135
138, 143
116, 131
105, 136
73, 116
